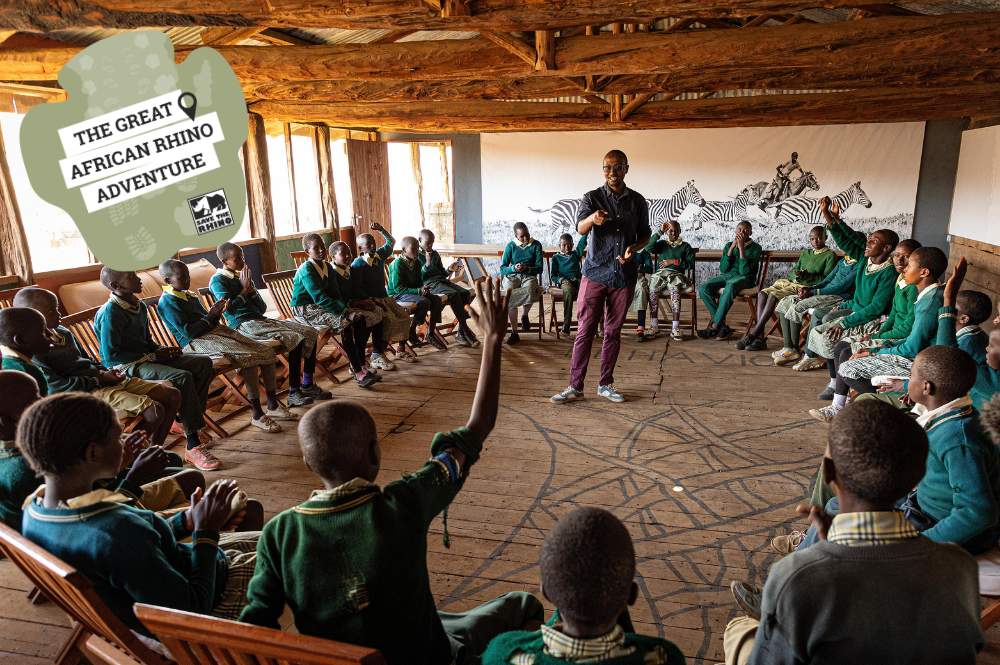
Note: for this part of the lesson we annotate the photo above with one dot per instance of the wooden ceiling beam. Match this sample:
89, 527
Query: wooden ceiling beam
278, 38
887, 9
635, 104
392, 36
512, 44
227, 36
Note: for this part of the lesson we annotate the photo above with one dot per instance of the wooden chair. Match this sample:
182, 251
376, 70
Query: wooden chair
7, 296
98, 636
555, 294
541, 308
666, 314
195, 639
749, 295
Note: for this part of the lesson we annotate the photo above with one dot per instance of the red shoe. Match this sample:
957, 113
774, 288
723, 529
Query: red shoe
202, 459
177, 428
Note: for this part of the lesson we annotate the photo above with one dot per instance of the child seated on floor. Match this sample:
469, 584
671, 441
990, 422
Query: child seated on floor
122, 326
353, 292
521, 267
351, 561
566, 274
22, 337
130, 555
587, 565
370, 268
643, 299
68, 367
245, 314
436, 277
406, 285
675, 258
199, 331
737, 271
861, 594
811, 268
317, 301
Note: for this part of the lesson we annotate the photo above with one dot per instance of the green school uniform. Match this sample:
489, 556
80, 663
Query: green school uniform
530, 256
645, 261
67, 366
124, 335
987, 379
436, 272
874, 285
15, 360
817, 264
734, 268
925, 325
17, 482
242, 307
841, 281
312, 288
900, 320
372, 275
973, 340
665, 251
184, 315
568, 266
405, 277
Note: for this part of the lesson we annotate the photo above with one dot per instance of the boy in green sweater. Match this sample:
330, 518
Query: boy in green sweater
370, 266
644, 298
351, 561
22, 336
68, 367
521, 267
675, 258
737, 271
565, 274
406, 285
18, 391
587, 565
436, 277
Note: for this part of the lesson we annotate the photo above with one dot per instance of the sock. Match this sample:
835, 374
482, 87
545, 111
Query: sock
675, 324
833, 383
525, 309
654, 322
192, 440
839, 402
307, 378
376, 354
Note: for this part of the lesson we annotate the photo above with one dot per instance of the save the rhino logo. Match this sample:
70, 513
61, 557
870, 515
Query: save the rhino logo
210, 211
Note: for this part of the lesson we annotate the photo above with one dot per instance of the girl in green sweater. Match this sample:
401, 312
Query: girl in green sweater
674, 258
521, 267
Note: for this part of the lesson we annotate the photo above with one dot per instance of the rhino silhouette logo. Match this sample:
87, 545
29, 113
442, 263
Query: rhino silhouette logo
210, 211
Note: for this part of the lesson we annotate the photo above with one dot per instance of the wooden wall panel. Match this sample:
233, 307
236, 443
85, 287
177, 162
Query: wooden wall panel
368, 162
984, 269
15, 258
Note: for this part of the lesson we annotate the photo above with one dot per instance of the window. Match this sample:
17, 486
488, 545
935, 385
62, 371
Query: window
342, 182
281, 200
53, 239
429, 205
306, 183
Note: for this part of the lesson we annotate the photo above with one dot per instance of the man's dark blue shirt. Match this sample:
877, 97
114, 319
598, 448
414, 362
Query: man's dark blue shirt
629, 224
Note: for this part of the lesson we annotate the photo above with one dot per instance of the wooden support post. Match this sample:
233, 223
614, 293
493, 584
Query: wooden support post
616, 108
418, 177
15, 257
324, 177
635, 103
593, 29
292, 198
545, 50
444, 170
512, 44
259, 192
617, 28
454, 9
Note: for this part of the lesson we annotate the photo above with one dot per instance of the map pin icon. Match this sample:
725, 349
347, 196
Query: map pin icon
189, 110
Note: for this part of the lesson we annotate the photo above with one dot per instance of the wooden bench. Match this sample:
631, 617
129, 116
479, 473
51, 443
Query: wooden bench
195, 639
7, 297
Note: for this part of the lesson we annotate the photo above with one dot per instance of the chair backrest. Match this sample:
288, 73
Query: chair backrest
73, 593
206, 296
195, 639
763, 267
281, 284
81, 325
7, 297
692, 272
299, 258
157, 328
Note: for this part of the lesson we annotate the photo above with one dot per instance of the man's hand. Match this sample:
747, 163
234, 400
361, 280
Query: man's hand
492, 317
894, 386
148, 464
210, 512
628, 256
112, 377
835, 333
954, 284
165, 353
216, 310
820, 520
599, 217
246, 280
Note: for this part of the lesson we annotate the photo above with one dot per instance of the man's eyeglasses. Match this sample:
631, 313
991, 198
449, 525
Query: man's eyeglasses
617, 168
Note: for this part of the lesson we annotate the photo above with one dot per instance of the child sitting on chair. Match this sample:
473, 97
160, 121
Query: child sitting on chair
351, 561
737, 271
317, 301
436, 277
370, 267
521, 267
68, 367
811, 268
675, 258
566, 274
406, 285
245, 315
22, 337
200, 331
350, 288
122, 326
587, 564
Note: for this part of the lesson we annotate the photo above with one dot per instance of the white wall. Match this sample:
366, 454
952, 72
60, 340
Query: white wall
975, 212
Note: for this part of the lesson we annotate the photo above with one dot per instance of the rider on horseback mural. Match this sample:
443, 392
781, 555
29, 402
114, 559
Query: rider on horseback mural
778, 190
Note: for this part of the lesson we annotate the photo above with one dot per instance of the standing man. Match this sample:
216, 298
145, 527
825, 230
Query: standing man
617, 219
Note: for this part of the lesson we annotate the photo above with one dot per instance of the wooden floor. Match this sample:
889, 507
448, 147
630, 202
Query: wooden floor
705, 464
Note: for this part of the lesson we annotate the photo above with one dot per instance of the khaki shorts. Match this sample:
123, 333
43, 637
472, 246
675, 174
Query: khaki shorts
129, 396
164, 497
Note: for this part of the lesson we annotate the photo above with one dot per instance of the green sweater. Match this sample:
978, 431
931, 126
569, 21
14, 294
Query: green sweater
925, 325
900, 320
664, 251
987, 379
816, 264
67, 366
961, 487
17, 482
351, 563
530, 256
124, 335
645, 262
242, 308
185, 316
12, 362
350, 285
973, 340
840, 282
734, 268
568, 267
372, 276
436, 272
312, 288
405, 277
873, 287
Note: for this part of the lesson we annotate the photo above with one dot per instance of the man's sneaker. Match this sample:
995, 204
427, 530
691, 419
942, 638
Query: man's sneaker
473, 342
757, 344
313, 390
724, 332
513, 339
281, 413
298, 398
525, 323
785, 356
787, 544
652, 333
827, 393
565, 331
676, 334
202, 459
743, 343
610, 392
381, 362
265, 423
640, 337
747, 597
368, 380
826, 414
707, 333
571, 394
807, 364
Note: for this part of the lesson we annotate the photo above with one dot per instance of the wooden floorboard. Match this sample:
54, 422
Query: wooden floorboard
704, 464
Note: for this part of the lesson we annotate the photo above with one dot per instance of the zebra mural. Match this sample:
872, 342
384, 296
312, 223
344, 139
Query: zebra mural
563, 213
807, 211
727, 211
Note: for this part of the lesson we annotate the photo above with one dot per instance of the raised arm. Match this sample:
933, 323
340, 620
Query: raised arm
492, 320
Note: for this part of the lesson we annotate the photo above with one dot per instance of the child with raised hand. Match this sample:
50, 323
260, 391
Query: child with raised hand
812, 267
349, 285
435, 276
127, 346
245, 314
856, 595
201, 331
521, 267
68, 367
644, 298
370, 266
566, 274
351, 561
22, 337
316, 301
587, 564
737, 271
675, 258
130, 555
406, 285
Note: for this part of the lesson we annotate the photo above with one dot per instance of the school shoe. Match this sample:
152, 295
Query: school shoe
513, 339
368, 380
707, 332
381, 362
432, 339
758, 344
525, 323
571, 394
743, 343
201, 459
826, 414
785, 356
265, 423
787, 544
827, 393
724, 332
640, 337
747, 597
404, 355
808, 363
296, 398
611, 393
461, 339
652, 333
280, 413
676, 334
315, 392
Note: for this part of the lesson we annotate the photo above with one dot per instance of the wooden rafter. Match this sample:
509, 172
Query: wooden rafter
634, 105
227, 36
278, 38
887, 9
545, 49
392, 36
512, 44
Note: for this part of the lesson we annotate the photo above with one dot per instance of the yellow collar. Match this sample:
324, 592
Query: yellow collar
226, 272
821, 250
676, 243
344, 272
525, 245
8, 352
901, 282
84, 500
924, 416
126, 305
849, 261
183, 295
369, 258
871, 268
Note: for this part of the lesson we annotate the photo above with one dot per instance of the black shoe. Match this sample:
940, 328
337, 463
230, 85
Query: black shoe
724, 332
743, 343
640, 337
368, 380
758, 344
707, 333
565, 331
513, 339
314, 391
525, 323
298, 398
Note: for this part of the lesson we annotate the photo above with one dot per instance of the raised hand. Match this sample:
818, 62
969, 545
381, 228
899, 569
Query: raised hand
375, 226
830, 210
492, 315
954, 284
